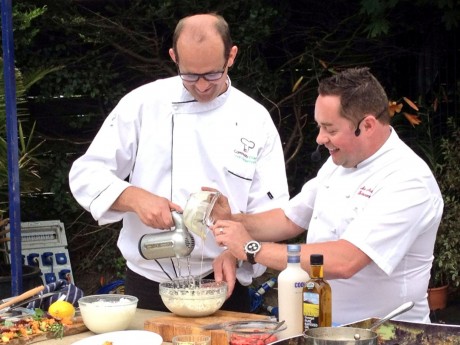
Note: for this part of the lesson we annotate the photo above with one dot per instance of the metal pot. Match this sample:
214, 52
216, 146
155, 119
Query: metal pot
340, 335
350, 335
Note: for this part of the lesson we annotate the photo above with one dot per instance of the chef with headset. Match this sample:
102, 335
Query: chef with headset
373, 209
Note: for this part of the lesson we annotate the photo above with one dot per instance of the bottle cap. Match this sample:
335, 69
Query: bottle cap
316, 259
293, 248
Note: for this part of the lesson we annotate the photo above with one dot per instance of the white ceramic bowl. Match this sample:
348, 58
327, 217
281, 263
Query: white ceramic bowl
193, 297
107, 313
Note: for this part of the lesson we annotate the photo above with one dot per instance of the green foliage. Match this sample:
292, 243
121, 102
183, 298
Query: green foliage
384, 15
446, 264
27, 149
106, 48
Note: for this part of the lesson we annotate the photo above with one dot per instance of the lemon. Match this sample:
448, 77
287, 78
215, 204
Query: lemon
61, 310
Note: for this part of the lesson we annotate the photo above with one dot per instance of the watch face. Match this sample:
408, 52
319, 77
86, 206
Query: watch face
252, 247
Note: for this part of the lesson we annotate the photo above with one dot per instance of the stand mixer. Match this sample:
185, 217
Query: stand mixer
179, 242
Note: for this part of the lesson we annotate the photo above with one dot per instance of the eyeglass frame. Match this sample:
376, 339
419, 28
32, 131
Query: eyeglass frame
205, 76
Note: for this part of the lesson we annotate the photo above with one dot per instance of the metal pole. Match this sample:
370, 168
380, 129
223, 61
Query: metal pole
12, 146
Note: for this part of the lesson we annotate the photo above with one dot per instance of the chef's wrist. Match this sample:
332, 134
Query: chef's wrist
251, 248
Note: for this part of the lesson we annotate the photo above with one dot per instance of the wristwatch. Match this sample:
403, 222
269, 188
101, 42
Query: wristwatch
251, 249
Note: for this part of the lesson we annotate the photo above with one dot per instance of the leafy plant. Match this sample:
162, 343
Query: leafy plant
26, 164
439, 148
446, 264
27, 146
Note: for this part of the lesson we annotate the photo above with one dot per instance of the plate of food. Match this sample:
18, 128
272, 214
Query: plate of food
123, 338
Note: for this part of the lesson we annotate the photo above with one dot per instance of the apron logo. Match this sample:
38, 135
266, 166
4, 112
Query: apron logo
244, 155
247, 144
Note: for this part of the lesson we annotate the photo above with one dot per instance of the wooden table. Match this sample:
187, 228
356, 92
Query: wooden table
138, 323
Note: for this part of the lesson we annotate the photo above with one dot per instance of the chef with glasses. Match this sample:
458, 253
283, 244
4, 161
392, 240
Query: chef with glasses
168, 139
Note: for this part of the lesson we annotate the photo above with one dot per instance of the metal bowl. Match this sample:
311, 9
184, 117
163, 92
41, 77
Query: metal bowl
193, 297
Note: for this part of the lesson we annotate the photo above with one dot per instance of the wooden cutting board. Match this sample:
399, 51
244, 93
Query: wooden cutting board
77, 327
171, 325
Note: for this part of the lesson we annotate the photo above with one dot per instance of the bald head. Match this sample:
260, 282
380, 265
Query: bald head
199, 29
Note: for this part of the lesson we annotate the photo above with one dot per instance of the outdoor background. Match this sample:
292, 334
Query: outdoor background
76, 59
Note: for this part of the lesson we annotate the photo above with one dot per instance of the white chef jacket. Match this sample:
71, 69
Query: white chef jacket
390, 207
160, 139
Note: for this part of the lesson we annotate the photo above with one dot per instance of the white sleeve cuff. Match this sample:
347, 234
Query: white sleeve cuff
100, 207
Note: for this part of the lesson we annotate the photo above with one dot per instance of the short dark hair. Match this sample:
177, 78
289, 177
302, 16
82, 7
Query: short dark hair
360, 93
221, 27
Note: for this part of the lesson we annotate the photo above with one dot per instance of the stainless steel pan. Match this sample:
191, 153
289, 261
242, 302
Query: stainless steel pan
350, 335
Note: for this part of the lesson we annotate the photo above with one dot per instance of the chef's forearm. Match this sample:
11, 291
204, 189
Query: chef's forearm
126, 200
272, 225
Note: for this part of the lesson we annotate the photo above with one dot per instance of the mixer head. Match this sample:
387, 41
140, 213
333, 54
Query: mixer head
166, 244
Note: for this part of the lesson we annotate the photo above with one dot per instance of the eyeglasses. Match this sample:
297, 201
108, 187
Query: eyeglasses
194, 77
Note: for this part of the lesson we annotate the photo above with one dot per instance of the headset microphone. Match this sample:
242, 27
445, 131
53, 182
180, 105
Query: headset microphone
316, 156
358, 130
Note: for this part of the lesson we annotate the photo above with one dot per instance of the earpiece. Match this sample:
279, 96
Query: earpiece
358, 130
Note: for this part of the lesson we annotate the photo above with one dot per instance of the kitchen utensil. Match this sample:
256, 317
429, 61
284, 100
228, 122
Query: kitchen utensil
350, 335
401, 309
21, 297
193, 297
197, 212
33, 298
214, 326
166, 244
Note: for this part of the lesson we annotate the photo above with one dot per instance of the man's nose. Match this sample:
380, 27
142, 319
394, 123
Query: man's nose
321, 138
201, 84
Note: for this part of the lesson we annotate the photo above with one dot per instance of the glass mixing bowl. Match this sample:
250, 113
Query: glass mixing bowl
253, 332
193, 297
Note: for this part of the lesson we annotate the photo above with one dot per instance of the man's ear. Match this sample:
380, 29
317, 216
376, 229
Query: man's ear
172, 55
370, 122
232, 56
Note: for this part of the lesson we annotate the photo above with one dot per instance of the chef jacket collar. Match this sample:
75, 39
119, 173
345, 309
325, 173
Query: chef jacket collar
185, 103
389, 145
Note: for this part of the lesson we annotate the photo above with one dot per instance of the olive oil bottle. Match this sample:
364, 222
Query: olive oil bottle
317, 294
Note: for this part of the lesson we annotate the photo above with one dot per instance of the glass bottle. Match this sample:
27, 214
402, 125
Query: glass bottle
317, 294
290, 284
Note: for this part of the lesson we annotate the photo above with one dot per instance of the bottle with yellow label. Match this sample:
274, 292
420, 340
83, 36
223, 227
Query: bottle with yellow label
317, 305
